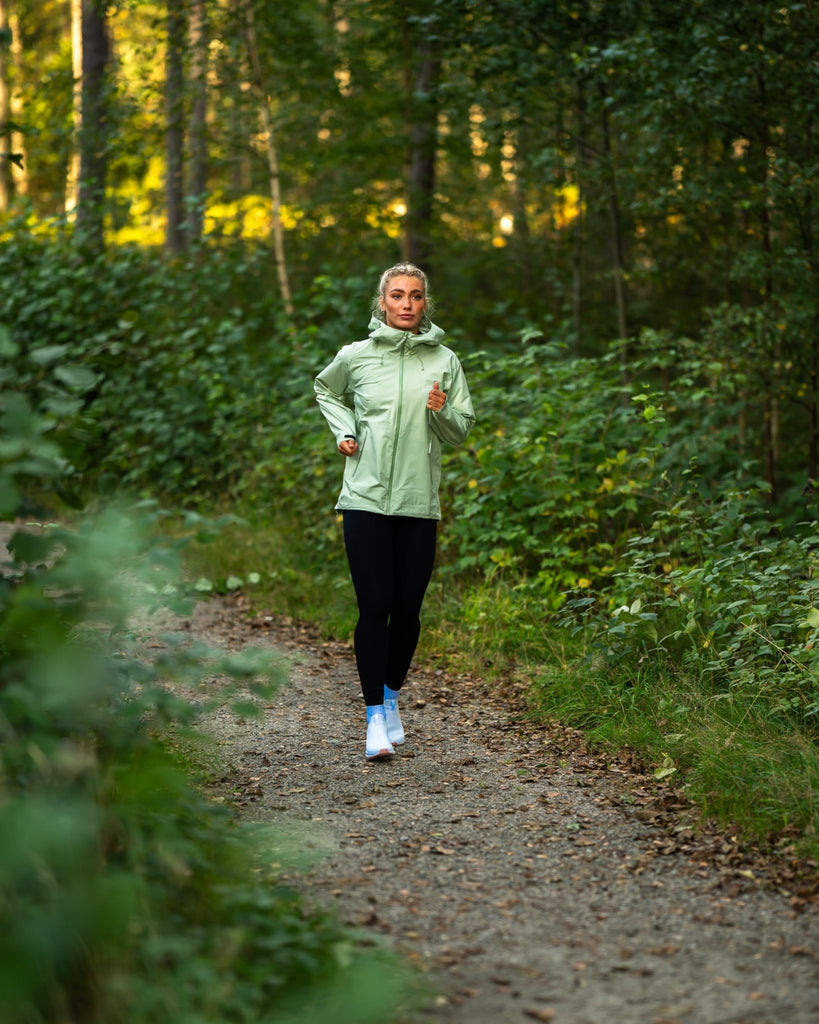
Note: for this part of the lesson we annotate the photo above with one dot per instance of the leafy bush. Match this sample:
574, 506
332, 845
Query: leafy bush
554, 475
124, 893
182, 379
741, 616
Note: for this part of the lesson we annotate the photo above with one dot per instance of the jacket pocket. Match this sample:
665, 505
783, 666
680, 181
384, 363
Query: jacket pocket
433, 461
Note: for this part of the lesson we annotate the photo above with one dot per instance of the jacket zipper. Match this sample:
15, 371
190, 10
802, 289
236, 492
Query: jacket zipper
397, 424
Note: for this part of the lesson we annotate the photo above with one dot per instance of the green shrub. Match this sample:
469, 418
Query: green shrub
124, 893
743, 615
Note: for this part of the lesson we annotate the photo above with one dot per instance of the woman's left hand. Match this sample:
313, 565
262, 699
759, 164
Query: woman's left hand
436, 398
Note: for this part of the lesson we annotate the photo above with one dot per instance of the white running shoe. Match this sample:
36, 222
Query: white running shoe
395, 728
378, 741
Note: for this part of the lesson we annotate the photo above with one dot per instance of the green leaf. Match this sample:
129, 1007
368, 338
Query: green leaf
80, 378
47, 354
9, 497
8, 346
30, 547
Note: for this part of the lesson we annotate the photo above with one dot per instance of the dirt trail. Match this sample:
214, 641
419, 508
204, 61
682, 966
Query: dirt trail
530, 880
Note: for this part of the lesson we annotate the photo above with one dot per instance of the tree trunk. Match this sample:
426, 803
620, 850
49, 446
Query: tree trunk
241, 162
579, 223
773, 416
813, 394
521, 234
813, 409
13, 164
19, 170
198, 138
174, 131
272, 162
423, 141
6, 186
617, 242
72, 180
93, 128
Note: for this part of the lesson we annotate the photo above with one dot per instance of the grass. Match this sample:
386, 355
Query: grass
752, 771
300, 573
756, 774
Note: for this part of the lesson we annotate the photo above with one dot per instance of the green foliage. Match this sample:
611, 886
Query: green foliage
555, 474
299, 572
731, 759
741, 617
124, 893
619, 497
151, 373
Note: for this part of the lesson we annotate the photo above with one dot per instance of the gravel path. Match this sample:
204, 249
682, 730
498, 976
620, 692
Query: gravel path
529, 879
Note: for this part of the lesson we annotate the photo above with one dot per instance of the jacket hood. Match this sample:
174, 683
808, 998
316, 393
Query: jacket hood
428, 334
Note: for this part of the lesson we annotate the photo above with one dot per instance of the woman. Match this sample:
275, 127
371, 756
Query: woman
390, 401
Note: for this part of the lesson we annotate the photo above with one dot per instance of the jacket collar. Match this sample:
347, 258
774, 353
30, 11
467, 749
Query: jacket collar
429, 334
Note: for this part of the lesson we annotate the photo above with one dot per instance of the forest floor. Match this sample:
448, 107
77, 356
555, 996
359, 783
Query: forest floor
526, 876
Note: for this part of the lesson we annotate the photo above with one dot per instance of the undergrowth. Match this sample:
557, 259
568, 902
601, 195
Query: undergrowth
125, 893
737, 758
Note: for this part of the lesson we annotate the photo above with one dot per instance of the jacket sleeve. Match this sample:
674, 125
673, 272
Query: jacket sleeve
331, 385
453, 423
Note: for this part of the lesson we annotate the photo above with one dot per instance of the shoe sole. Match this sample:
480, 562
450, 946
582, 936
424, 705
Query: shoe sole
382, 755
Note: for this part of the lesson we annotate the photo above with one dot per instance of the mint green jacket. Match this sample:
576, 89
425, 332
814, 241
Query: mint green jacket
376, 391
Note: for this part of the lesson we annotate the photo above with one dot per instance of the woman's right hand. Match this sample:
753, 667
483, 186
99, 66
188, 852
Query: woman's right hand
348, 447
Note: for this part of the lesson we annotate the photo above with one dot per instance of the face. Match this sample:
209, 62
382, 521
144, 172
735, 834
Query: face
404, 303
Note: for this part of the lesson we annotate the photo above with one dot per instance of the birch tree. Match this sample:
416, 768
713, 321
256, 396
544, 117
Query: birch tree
197, 183
269, 137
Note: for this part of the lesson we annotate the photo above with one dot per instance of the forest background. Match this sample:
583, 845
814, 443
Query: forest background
616, 201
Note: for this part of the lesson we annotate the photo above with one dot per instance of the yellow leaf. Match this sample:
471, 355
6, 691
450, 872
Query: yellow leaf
813, 618
666, 768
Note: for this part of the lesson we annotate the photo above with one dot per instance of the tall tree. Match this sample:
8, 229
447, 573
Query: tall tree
197, 180
175, 126
93, 134
5, 110
423, 83
72, 181
271, 150
19, 170
12, 142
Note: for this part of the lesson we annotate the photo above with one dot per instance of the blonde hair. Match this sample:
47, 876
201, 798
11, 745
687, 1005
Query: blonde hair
400, 270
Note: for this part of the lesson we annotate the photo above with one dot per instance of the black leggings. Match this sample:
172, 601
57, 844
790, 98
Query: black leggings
390, 560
